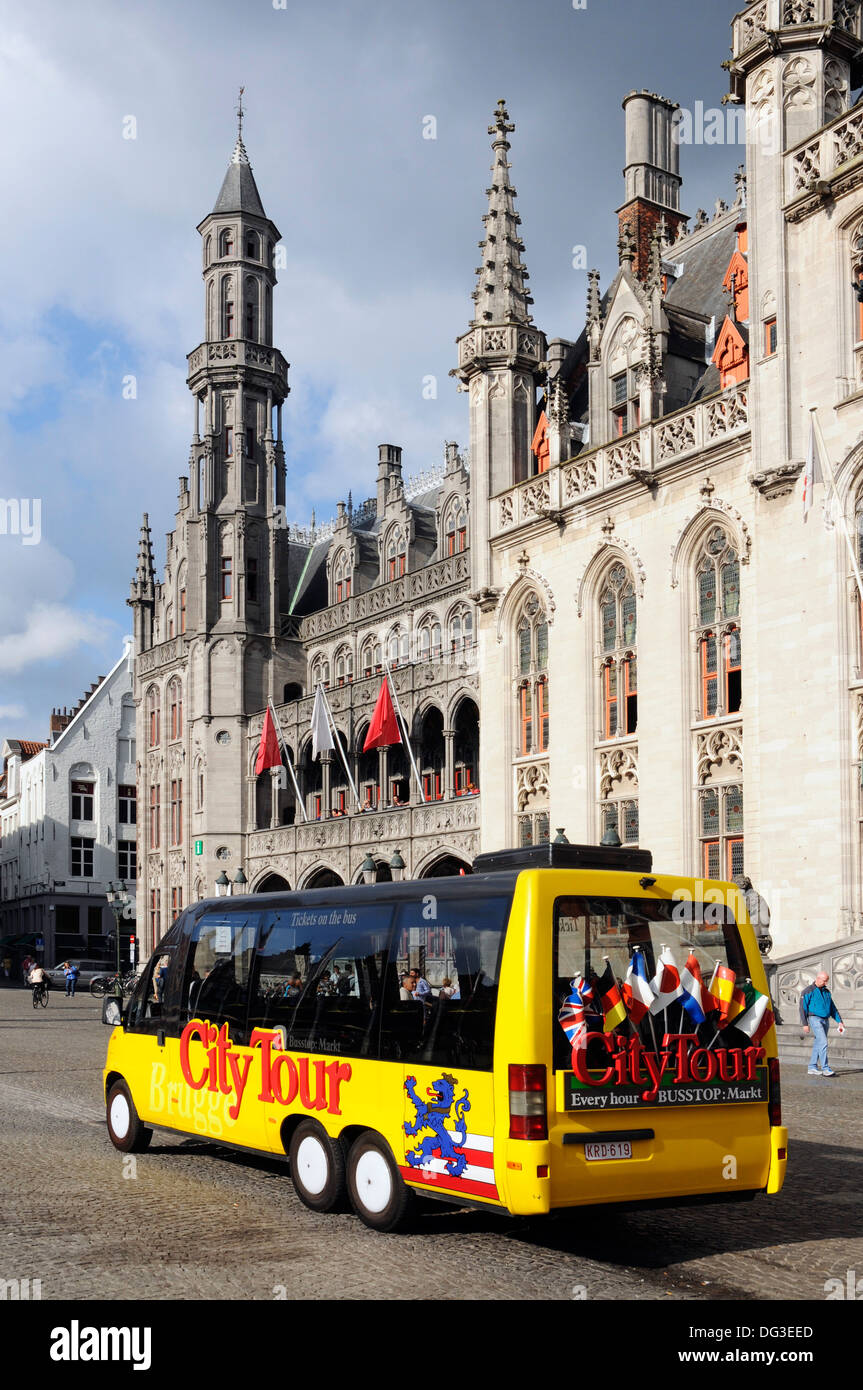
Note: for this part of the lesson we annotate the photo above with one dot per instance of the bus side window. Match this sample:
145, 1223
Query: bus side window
457, 955
215, 983
153, 1005
318, 974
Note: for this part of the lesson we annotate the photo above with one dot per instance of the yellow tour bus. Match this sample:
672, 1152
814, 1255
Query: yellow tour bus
561, 1028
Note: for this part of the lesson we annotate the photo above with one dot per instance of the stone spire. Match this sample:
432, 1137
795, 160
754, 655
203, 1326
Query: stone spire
145, 574
239, 192
142, 594
500, 295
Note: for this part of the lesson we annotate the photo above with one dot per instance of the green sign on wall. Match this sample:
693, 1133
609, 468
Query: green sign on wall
199, 846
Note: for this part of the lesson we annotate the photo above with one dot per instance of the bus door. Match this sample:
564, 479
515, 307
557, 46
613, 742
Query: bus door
438, 1024
210, 1089
662, 1096
318, 984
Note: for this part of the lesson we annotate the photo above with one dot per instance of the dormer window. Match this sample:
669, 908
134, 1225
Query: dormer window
625, 407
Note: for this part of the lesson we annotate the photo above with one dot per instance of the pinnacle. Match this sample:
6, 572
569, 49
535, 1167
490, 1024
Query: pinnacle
500, 294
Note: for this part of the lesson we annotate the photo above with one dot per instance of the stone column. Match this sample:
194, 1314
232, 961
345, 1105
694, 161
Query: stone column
449, 763
326, 781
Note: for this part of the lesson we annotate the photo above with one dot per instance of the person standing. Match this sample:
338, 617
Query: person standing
71, 968
817, 1007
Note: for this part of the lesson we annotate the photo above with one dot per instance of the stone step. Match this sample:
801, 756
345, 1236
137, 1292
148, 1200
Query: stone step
795, 1046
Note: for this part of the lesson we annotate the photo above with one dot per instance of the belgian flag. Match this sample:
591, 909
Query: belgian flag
610, 997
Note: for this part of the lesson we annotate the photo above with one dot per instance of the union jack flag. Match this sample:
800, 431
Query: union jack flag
572, 1013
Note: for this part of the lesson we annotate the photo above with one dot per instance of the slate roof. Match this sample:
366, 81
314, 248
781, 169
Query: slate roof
239, 192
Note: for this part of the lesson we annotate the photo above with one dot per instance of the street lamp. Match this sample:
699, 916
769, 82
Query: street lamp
397, 867
118, 899
240, 881
370, 871
223, 885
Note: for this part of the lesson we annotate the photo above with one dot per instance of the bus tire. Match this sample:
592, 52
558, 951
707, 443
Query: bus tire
125, 1129
378, 1193
317, 1167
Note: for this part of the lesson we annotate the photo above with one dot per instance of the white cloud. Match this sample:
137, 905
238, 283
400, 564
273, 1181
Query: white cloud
12, 711
52, 630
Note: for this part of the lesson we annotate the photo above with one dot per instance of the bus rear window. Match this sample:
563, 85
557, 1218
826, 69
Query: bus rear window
602, 940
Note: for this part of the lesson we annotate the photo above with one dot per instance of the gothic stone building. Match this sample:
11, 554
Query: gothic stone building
654, 638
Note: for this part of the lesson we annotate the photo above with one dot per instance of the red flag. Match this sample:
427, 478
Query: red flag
269, 753
384, 727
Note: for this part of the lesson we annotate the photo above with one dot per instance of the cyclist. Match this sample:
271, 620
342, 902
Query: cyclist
39, 980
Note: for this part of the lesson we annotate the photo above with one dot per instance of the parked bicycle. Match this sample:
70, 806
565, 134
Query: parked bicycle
40, 994
107, 984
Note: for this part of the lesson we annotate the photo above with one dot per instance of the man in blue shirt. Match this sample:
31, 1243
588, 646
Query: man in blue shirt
816, 1010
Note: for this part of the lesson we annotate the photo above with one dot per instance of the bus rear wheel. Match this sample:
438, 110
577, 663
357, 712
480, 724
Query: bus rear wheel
317, 1167
125, 1129
378, 1193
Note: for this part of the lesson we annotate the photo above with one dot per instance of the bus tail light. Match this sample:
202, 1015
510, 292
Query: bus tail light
774, 1107
527, 1108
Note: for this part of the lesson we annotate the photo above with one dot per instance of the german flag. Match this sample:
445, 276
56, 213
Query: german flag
610, 997
728, 999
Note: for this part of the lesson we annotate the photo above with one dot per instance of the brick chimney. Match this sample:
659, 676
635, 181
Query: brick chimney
652, 174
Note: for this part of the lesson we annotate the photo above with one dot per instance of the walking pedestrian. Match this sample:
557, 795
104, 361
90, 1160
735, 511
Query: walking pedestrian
817, 1007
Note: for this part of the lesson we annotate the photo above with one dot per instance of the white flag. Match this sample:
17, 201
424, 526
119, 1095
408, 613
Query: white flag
322, 739
812, 471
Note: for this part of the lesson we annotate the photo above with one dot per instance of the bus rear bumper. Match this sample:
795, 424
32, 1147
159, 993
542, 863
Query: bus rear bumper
778, 1158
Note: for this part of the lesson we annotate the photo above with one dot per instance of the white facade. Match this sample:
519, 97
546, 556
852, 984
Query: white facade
61, 844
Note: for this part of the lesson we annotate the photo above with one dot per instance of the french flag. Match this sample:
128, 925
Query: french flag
666, 982
637, 994
694, 991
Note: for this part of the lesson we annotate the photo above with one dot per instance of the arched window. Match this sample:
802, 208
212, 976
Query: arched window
394, 647
320, 672
153, 716
250, 311
208, 250
618, 671
253, 245
341, 578
226, 242
455, 527
857, 280
175, 706
227, 307
396, 553
717, 580
344, 665
532, 678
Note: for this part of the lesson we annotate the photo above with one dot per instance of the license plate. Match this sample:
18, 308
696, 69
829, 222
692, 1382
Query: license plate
620, 1149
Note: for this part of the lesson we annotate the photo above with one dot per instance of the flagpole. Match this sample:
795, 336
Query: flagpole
401, 717
813, 414
335, 733
284, 750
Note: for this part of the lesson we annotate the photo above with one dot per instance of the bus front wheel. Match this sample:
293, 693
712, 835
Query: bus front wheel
317, 1167
378, 1193
125, 1129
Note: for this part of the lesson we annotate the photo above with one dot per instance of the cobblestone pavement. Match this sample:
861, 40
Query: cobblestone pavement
198, 1221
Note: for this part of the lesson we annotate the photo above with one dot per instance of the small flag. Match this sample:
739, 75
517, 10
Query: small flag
571, 1018
384, 728
694, 999
269, 752
322, 739
666, 982
637, 994
610, 998
757, 1016
812, 471
727, 998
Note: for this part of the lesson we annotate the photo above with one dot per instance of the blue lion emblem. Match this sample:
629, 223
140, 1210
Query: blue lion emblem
431, 1115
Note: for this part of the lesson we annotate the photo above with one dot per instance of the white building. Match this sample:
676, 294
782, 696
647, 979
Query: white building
68, 815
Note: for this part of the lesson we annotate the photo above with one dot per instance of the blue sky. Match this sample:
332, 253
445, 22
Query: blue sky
380, 229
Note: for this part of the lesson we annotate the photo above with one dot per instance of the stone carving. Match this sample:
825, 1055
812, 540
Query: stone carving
618, 769
799, 12
507, 510
846, 15
476, 390
763, 95
743, 538
468, 348
621, 458
676, 436
580, 478
534, 497
836, 90
495, 340
799, 84
528, 344
848, 139
719, 749
497, 387
531, 786
730, 412
752, 27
